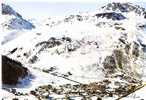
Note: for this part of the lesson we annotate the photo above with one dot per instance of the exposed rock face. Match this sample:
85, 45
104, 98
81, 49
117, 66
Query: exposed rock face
124, 7
12, 71
77, 17
109, 64
15, 21
135, 50
144, 14
7, 10
69, 44
124, 59
18, 23
111, 15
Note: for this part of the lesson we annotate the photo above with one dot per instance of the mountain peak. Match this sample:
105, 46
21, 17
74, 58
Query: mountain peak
16, 22
124, 7
8, 10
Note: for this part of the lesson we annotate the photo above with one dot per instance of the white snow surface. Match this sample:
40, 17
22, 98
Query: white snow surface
85, 63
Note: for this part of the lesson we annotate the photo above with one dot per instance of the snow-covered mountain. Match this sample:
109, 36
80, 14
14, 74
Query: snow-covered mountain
101, 53
12, 24
124, 7
14, 20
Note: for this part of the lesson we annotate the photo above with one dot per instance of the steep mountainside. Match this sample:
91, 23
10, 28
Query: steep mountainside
12, 71
14, 20
88, 55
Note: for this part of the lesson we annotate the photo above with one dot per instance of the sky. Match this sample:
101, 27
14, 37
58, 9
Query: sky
40, 8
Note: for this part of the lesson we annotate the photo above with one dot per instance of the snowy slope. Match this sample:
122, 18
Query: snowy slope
13, 24
82, 49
